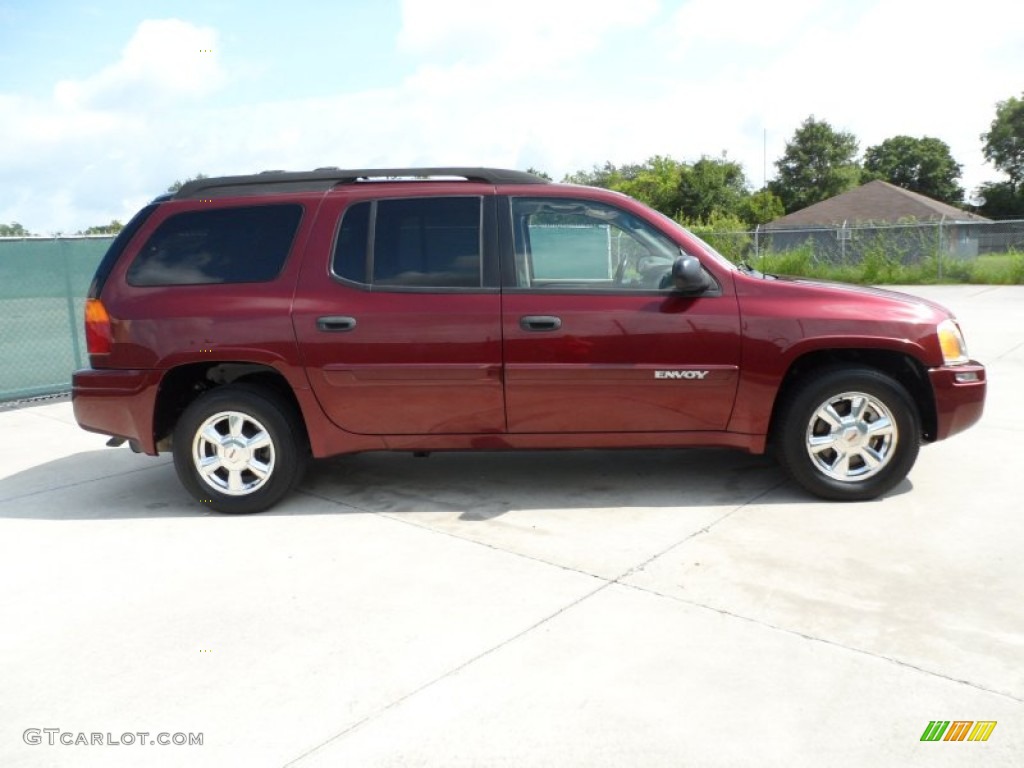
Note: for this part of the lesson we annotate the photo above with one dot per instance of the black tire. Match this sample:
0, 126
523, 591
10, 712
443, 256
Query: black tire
862, 454
252, 443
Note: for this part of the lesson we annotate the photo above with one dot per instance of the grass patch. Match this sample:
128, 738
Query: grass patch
879, 267
998, 269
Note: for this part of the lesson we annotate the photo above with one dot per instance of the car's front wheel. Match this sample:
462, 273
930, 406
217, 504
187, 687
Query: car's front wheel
848, 434
239, 449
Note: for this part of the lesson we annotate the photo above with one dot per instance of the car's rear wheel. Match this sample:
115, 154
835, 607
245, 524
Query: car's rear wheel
239, 449
848, 434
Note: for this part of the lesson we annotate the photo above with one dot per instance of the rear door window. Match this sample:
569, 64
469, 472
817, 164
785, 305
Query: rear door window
432, 242
226, 245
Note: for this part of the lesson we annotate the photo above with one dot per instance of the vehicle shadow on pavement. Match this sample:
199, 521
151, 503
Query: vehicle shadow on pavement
103, 484
481, 486
475, 486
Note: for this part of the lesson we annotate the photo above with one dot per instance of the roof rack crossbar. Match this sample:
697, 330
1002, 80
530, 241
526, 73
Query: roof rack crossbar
323, 179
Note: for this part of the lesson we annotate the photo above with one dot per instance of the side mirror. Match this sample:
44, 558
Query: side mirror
688, 275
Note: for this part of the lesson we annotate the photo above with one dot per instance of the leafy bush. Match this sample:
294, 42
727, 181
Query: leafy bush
881, 263
724, 232
796, 261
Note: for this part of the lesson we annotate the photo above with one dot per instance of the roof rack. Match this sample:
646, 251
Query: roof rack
322, 179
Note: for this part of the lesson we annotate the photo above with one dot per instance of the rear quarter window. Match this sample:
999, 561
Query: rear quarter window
225, 245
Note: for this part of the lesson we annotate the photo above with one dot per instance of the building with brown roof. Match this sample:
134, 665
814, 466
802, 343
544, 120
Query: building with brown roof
877, 202
878, 214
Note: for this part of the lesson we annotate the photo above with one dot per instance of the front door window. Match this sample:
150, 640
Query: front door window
585, 245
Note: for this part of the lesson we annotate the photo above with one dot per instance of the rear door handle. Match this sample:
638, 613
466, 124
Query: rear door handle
335, 323
540, 323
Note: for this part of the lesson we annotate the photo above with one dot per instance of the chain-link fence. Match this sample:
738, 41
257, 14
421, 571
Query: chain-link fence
43, 281
42, 292
942, 242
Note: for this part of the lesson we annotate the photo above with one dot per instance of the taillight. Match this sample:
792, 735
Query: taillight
97, 327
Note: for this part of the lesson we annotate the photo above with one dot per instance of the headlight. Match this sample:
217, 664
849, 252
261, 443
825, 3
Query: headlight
951, 340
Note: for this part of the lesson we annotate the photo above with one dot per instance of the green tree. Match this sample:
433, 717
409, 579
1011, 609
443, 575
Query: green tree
1002, 200
679, 190
1004, 141
657, 183
712, 185
112, 228
607, 176
760, 208
179, 184
14, 229
819, 163
922, 165
725, 232
535, 172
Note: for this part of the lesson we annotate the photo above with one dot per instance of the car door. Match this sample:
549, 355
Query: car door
397, 314
595, 339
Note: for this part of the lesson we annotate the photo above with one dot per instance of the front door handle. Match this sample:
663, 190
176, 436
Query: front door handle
540, 323
335, 323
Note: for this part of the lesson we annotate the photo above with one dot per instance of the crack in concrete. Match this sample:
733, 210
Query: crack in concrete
450, 673
826, 641
1008, 352
606, 583
706, 529
404, 519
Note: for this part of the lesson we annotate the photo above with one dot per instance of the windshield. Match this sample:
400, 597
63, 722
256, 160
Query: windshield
705, 245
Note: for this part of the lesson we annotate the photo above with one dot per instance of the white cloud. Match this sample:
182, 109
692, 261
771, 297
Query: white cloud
165, 59
66, 162
517, 37
877, 68
762, 24
555, 85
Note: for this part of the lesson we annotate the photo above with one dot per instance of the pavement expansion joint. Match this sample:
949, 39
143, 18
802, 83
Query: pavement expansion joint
699, 532
833, 643
1007, 353
451, 672
605, 584
405, 519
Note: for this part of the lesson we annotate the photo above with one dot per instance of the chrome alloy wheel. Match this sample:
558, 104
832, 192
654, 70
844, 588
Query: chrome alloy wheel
851, 437
233, 453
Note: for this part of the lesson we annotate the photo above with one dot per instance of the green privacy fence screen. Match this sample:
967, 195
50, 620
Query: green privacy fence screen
42, 294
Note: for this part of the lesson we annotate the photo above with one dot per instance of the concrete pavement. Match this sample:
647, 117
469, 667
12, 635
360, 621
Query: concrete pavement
654, 608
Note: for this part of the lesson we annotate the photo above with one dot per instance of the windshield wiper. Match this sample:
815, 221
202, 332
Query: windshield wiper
745, 267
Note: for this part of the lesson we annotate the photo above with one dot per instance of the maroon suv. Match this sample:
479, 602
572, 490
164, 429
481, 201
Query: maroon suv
247, 323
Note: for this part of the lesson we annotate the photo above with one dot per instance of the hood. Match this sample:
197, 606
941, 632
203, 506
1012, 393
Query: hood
866, 291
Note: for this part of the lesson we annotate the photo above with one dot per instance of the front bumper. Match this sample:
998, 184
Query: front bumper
959, 397
116, 402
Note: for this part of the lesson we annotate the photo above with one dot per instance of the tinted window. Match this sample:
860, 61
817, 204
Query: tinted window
352, 249
228, 245
580, 244
117, 248
432, 242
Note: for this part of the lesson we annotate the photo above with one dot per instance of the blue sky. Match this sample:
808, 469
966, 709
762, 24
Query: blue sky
103, 104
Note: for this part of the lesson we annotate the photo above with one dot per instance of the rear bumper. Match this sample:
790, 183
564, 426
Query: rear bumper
116, 402
959, 397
